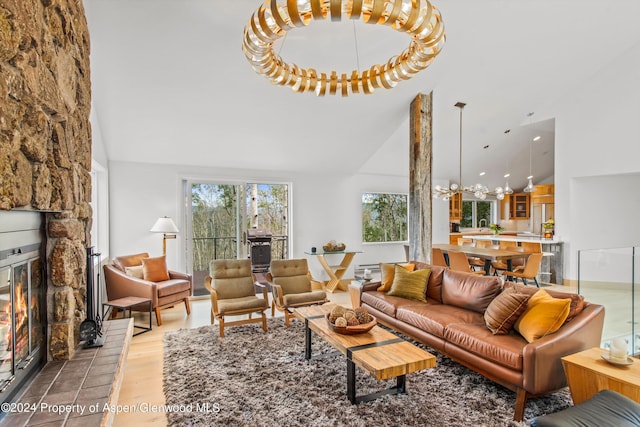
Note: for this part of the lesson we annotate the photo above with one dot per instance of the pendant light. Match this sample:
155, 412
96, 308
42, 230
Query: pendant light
530, 188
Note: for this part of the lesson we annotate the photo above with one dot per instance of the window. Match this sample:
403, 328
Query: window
477, 213
385, 217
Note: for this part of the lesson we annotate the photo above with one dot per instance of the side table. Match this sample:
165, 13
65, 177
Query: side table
587, 374
127, 303
335, 272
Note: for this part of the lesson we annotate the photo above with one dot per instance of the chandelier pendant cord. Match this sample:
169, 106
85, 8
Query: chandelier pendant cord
355, 42
283, 40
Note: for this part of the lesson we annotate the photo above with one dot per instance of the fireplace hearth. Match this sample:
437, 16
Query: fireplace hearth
22, 300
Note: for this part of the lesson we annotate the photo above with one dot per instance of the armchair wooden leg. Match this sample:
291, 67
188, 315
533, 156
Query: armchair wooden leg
286, 317
213, 317
158, 316
264, 321
187, 305
273, 309
221, 326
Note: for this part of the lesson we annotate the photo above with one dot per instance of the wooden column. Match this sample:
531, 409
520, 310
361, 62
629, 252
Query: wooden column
420, 159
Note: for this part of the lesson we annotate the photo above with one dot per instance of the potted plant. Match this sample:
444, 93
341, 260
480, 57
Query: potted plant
496, 228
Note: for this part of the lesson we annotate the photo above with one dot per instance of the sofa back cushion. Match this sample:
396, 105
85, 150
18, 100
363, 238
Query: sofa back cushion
434, 285
470, 291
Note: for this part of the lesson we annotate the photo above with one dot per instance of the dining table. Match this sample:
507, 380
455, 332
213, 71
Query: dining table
486, 254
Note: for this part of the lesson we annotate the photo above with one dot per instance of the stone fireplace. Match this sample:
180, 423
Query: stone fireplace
45, 147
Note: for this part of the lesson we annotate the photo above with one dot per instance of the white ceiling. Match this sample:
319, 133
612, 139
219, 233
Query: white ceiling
171, 85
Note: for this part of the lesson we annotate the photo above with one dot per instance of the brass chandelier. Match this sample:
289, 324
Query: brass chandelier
273, 19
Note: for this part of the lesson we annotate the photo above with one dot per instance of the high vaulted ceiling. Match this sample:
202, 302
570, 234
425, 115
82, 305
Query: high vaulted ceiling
171, 86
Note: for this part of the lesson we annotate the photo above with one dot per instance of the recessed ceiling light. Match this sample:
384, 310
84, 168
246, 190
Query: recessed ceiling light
482, 173
507, 175
537, 138
530, 177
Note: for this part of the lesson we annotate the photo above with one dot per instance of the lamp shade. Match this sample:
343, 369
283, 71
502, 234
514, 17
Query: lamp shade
164, 225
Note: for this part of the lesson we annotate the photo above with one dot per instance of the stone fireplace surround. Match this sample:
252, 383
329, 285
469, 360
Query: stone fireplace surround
45, 146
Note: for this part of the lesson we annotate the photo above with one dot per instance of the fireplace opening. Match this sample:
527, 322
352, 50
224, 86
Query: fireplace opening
22, 300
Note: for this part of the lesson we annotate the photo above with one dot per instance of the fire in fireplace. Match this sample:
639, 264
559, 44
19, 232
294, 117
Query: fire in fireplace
22, 299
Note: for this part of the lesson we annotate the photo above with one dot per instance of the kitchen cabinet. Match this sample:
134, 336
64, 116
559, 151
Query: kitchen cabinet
543, 194
519, 206
455, 207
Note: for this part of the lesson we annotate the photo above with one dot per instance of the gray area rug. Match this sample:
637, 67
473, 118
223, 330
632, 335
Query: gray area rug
261, 379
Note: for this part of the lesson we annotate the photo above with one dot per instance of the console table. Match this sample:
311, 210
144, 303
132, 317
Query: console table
335, 271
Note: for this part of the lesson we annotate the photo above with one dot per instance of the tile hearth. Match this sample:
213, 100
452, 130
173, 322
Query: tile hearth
76, 392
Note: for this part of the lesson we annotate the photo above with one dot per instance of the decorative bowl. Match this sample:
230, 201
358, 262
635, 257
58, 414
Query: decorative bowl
352, 330
334, 248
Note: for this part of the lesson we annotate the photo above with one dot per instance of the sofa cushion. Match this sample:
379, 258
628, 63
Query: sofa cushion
173, 286
577, 300
434, 285
469, 291
503, 312
155, 269
387, 273
544, 315
386, 303
506, 350
434, 318
410, 284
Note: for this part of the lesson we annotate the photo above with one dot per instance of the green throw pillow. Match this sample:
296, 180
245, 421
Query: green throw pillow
410, 284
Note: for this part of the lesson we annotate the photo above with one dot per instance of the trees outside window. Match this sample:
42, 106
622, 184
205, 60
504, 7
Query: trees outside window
477, 213
384, 217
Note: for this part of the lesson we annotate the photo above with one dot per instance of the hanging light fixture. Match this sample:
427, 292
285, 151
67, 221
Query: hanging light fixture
480, 191
530, 188
507, 189
272, 20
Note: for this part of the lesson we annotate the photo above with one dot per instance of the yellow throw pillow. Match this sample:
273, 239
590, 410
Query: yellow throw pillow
155, 269
387, 273
410, 284
544, 315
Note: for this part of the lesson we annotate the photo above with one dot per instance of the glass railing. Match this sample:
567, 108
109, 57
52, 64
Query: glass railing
609, 277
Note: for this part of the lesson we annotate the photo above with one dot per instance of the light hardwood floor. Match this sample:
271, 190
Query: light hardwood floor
142, 384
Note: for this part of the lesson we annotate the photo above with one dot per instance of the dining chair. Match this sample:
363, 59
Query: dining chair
516, 263
475, 262
458, 261
437, 257
530, 270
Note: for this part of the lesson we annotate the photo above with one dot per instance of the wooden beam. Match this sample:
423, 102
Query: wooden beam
420, 164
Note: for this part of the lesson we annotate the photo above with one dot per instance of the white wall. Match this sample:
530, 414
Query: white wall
597, 148
325, 207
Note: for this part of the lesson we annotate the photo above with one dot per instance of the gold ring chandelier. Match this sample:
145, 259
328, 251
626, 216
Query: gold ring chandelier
271, 21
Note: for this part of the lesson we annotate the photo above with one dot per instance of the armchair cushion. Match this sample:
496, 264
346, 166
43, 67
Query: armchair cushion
232, 278
173, 286
155, 269
244, 303
303, 298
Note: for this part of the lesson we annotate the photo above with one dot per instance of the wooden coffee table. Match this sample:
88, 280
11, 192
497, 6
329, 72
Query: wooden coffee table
378, 352
587, 374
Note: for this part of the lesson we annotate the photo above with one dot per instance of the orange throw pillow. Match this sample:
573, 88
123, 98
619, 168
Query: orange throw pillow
387, 272
155, 269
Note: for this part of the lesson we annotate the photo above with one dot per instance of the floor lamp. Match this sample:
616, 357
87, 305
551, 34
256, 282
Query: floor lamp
168, 228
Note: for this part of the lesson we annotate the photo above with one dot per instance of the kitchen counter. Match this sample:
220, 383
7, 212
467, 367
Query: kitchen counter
551, 268
512, 238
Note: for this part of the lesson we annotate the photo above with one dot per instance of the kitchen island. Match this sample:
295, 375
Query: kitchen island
552, 249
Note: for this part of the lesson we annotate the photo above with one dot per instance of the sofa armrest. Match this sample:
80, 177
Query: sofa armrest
119, 285
543, 369
371, 286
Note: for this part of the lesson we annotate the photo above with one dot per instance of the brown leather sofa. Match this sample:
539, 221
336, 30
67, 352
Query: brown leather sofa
456, 328
163, 294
